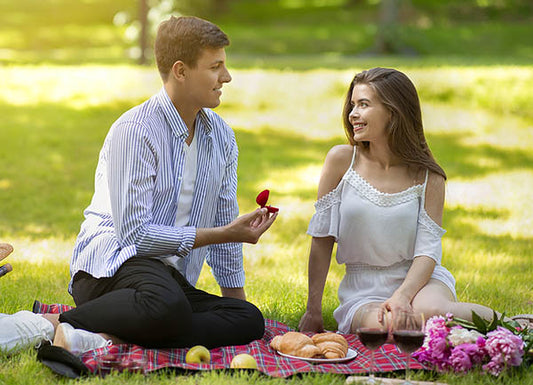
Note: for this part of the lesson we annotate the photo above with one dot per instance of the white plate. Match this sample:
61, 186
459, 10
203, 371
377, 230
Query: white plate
349, 356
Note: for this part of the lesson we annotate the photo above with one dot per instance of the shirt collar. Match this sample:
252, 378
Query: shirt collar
179, 129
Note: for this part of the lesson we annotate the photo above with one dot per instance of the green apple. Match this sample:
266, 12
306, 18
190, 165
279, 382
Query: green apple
198, 355
243, 361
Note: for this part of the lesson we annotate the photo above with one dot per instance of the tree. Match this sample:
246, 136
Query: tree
387, 36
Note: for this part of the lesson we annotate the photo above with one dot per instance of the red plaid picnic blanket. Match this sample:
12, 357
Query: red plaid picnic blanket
387, 358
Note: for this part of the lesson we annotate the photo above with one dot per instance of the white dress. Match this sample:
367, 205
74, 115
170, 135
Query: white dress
378, 235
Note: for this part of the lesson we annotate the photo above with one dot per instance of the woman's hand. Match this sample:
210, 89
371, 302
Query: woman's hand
396, 303
311, 322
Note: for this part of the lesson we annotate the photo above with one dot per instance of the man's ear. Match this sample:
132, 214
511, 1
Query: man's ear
178, 70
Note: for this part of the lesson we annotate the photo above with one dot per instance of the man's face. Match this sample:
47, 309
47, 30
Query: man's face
204, 82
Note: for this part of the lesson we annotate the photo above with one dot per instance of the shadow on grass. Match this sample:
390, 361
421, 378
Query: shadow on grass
459, 230
462, 161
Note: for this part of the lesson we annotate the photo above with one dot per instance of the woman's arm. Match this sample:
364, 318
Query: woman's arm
319, 261
420, 271
336, 163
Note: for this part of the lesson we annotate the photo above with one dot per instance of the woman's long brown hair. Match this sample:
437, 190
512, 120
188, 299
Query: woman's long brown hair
406, 131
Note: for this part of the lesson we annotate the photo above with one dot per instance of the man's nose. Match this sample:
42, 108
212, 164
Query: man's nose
225, 76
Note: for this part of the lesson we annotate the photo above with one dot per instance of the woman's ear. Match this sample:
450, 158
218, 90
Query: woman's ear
178, 70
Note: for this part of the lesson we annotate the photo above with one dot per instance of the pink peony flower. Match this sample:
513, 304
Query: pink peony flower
507, 347
460, 360
493, 367
460, 349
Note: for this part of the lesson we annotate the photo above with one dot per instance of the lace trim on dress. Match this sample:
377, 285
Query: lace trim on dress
328, 200
378, 197
428, 222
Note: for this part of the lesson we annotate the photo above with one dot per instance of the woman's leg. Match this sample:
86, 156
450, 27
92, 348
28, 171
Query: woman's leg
436, 299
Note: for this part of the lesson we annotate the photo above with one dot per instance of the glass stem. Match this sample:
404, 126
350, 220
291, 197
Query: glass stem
371, 371
407, 377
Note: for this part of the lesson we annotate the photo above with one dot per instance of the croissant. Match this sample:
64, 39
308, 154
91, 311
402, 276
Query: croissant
296, 344
331, 345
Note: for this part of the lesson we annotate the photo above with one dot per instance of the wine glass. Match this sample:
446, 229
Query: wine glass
371, 332
408, 334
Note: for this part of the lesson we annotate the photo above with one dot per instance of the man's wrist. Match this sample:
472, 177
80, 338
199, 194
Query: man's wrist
233, 292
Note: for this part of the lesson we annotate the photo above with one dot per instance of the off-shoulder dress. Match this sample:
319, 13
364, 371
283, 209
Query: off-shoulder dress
378, 235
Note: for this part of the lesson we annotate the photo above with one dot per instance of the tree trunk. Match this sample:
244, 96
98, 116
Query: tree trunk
386, 39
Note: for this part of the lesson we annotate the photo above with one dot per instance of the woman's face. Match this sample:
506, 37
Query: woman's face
369, 117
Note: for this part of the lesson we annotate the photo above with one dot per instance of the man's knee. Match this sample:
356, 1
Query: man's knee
259, 322
253, 322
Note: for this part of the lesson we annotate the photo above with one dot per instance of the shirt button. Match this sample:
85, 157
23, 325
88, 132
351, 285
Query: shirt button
179, 177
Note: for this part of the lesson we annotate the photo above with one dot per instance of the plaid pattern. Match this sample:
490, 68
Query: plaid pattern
386, 359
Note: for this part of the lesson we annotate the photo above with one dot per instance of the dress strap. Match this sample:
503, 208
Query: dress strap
353, 157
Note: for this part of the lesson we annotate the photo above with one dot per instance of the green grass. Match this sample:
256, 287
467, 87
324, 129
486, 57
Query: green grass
55, 119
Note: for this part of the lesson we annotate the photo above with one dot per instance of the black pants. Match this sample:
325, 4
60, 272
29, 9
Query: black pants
150, 304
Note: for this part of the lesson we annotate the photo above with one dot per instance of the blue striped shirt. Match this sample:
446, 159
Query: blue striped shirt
137, 188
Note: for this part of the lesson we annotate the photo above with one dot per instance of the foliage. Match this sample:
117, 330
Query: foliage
99, 31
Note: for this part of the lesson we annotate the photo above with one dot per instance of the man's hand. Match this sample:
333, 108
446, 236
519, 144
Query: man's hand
247, 228
233, 292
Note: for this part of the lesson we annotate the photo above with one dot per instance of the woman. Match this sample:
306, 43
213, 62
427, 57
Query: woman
381, 198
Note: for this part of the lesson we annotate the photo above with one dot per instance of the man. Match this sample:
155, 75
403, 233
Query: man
165, 201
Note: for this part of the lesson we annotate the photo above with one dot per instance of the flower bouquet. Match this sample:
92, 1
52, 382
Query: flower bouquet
455, 344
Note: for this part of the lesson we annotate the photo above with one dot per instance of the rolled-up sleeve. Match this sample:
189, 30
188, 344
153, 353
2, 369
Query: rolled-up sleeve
133, 164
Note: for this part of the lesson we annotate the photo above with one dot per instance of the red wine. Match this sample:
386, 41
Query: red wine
372, 338
408, 340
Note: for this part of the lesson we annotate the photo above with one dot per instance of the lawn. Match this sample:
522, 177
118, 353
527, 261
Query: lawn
55, 119
65, 77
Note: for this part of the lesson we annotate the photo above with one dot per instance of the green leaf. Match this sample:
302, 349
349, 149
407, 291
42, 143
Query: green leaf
495, 322
481, 324
461, 322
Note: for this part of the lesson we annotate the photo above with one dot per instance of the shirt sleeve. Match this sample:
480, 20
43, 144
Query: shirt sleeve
325, 220
428, 237
226, 259
133, 162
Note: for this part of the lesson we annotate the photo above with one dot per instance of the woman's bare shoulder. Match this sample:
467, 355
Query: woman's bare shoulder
340, 155
337, 162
